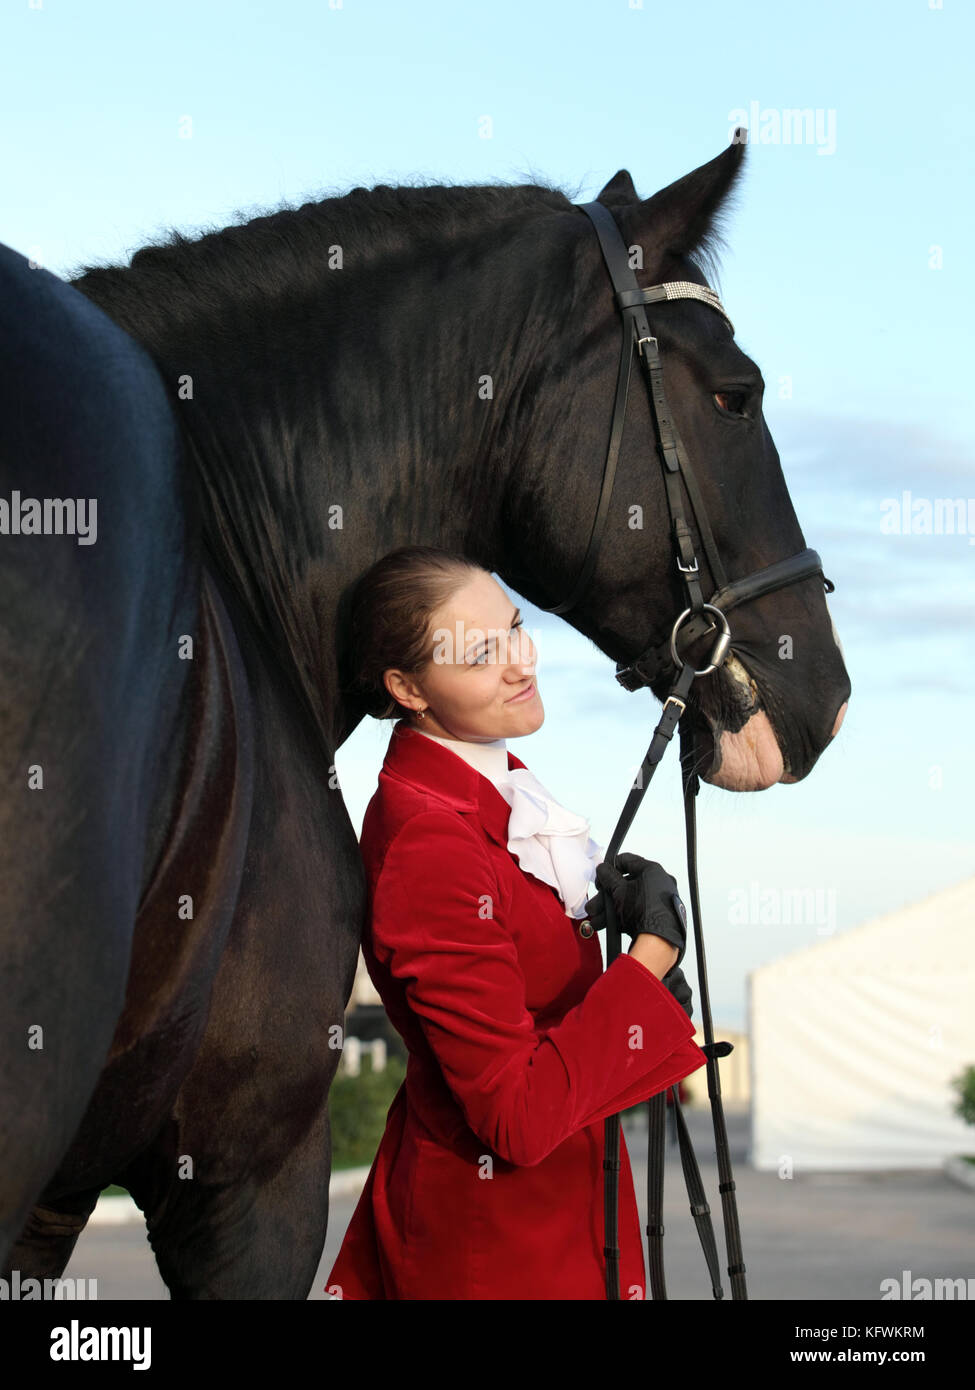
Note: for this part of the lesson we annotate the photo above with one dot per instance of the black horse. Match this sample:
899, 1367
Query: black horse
259, 414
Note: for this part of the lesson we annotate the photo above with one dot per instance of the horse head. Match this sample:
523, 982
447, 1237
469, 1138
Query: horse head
778, 695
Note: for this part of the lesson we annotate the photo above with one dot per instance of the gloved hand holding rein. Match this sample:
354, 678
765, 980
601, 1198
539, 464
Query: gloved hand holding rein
645, 898
675, 981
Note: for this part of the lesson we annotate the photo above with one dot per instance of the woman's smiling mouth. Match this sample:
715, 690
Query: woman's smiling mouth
525, 695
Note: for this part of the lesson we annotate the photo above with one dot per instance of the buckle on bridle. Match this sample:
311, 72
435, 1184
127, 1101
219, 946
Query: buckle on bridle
720, 647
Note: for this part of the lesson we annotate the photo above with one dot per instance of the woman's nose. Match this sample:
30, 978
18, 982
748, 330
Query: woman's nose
522, 662
521, 653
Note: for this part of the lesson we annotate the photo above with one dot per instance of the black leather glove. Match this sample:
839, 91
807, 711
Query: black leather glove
680, 989
646, 900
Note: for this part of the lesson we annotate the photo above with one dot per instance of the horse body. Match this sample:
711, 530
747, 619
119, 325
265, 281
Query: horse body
211, 1106
93, 698
170, 1043
252, 1110
451, 386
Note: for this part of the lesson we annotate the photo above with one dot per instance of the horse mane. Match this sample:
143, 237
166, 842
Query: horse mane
267, 248
264, 247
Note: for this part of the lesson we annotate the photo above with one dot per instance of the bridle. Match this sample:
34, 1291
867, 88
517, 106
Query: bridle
656, 660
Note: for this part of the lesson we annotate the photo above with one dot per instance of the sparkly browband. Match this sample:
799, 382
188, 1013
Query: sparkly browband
674, 289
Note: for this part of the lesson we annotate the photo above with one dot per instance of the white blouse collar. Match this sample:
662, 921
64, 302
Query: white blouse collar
549, 841
490, 759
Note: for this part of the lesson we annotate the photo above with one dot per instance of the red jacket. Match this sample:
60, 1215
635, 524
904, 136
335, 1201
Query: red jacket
488, 1182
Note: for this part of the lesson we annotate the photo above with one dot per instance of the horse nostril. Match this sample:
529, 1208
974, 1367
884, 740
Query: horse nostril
839, 718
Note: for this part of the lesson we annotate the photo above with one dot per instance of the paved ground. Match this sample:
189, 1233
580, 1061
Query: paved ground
826, 1236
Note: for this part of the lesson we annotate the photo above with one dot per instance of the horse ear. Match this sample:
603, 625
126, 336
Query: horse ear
685, 216
619, 190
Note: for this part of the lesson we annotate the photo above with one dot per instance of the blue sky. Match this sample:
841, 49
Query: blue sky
848, 273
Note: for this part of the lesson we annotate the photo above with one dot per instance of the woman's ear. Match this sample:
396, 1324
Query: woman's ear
401, 688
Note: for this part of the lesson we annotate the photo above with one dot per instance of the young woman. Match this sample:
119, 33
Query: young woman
488, 1182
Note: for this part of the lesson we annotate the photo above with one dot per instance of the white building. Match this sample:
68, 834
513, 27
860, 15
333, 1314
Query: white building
854, 1042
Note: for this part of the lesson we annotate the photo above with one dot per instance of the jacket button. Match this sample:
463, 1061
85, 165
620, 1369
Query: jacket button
586, 928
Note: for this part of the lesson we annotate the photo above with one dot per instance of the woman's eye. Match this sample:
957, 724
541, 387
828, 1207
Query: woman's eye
731, 402
482, 658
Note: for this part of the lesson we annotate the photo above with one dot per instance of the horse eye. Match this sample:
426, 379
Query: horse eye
731, 402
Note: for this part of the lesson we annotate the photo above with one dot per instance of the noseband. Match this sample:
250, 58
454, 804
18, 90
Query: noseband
696, 620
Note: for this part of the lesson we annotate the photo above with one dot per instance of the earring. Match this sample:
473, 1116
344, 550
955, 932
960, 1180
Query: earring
420, 713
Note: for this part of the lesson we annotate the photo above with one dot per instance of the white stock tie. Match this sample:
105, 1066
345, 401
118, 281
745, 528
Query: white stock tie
548, 840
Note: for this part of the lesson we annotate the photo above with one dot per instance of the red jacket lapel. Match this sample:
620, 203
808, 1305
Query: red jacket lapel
434, 770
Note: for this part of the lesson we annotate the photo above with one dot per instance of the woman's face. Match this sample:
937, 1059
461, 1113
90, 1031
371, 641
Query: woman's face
481, 660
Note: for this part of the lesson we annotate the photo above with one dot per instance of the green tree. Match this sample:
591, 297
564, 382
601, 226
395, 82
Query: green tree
358, 1106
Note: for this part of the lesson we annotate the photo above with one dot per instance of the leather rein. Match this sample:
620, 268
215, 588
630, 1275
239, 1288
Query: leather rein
658, 659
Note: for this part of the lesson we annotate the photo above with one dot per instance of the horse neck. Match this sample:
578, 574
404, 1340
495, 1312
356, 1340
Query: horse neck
377, 411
